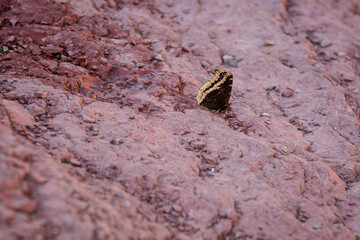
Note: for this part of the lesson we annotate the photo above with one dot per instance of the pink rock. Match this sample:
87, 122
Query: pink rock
17, 113
124, 152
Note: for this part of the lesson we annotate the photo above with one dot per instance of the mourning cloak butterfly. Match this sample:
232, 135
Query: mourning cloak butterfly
215, 94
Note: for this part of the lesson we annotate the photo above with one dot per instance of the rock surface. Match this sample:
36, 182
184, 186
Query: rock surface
93, 146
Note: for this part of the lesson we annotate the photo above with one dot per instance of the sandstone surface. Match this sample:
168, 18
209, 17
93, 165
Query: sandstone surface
101, 136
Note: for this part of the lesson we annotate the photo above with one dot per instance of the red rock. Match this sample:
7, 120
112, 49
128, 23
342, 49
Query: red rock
155, 165
35, 109
39, 173
10, 95
16, 200
289, 30
198, 145
6, 215
177, 208
288, 92
88, 119
75, 162
51, 50
17, 113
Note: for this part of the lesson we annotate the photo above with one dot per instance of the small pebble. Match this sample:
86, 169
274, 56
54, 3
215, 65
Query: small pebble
23, 98
288, 93
177, 208
5, 49
40, 95
212, 170
103, 60
268, 43
10, 95
147, 82
10, 39
284, 149
88, 119
198, 145
210, 159
117, 141
341, 54
36, 110
146, 41
325, 43
184, 132
232, 63
75, 162
265, 115
203, 133
317, 225
93, 130
13, 20
229, 60
15, 10
139, 65
273, 86
289, 31
20, 50
348, 78
159, 58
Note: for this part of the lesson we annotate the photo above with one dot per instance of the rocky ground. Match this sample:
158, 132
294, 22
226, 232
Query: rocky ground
101, 136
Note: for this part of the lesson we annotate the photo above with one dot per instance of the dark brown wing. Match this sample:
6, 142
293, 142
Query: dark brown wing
218, 97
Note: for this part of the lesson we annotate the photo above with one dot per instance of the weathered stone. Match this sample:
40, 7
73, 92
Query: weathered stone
159, 58
17, 113
268, 43
10, 95
142, 159
325, 43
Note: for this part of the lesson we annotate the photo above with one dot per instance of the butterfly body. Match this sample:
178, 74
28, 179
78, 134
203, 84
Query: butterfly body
215, 94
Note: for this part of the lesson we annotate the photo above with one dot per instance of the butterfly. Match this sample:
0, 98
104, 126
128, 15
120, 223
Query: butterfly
215, 94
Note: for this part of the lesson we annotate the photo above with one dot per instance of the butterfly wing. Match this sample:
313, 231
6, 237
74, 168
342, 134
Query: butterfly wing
217, 97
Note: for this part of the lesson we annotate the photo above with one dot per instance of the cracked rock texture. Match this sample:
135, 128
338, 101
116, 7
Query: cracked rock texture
101, 136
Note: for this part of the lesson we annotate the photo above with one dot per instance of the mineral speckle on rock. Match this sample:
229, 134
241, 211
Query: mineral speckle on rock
341, 54
10, 39
229, 60
159, 58
139, 65
117, 141
325, 43
268, 42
